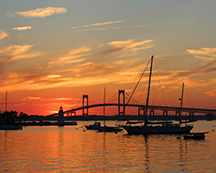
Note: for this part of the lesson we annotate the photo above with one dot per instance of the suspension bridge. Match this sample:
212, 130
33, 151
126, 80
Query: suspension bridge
165, 111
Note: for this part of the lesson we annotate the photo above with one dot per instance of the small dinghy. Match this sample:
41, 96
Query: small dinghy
200, 135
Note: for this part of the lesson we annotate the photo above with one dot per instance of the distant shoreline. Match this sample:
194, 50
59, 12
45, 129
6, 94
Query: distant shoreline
122, 117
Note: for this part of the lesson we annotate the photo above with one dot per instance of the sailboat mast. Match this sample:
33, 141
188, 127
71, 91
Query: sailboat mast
104, 104
149, 86
181, 101
6, 102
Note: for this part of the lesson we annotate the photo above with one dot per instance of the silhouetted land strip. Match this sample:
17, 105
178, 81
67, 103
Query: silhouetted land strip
117, 117
47, 123
135, 117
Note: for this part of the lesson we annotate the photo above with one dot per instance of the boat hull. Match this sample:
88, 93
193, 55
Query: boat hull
195, 136
91, 127
157, 129
94, 126
109, 129
11, 127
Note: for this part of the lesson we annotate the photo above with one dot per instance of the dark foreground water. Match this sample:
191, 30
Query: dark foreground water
70, 149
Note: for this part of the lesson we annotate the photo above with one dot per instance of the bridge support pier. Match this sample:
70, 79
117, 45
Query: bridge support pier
141, 111
85, 110
191, 116
165, 113
177, 115
209, 117
121, 106
152, 114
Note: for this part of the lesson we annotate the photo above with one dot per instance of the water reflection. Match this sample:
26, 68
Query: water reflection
67, 149
147, 165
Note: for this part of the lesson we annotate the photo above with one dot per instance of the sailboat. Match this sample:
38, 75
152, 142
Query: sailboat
97, 125
94, 126
7, 124
147, 127
106, 128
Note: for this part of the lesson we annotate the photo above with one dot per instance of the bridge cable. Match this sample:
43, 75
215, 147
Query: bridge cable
132, 98
158, 75
162, 89
92, 100
79, 102
129, 107
112, 98
188, 93
138, 82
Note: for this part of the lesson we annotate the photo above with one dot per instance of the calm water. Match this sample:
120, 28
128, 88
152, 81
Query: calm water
70, 149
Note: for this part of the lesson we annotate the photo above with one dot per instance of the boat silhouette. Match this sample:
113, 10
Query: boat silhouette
147, 127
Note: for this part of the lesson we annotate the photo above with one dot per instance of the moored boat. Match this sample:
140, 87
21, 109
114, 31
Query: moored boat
200, 135
11, 127
110, 129
147, 127
94, 126
158, 129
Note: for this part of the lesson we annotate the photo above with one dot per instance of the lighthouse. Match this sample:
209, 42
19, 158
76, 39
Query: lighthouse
61, 117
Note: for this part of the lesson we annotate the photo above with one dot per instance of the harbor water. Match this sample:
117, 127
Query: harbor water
74, 149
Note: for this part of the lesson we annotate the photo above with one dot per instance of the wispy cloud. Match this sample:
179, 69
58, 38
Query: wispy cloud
74, 56
91, 68
132, 44
130, 47
112, 28
207, 53
211, 93
208, 57
15, 52
22, 28
63, 99
53, 76
42, 12
31, 98
3, 34
98, 24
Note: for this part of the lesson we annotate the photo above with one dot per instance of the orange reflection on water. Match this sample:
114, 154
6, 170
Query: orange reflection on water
72, 149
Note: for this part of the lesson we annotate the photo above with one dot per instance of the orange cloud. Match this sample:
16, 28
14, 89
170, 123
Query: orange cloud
211, 93
31, 98
32, 81
63, 99
79, 28
15, 52
73, 56
130, 47
42, 12
98, 24
204, 53
22, 28
131, 44
3, 34
53, 76
91, 67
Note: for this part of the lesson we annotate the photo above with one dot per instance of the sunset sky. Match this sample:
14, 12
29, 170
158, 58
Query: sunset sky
54, 51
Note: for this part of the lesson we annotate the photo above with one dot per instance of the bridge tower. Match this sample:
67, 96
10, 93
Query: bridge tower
121, 106
85, 110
